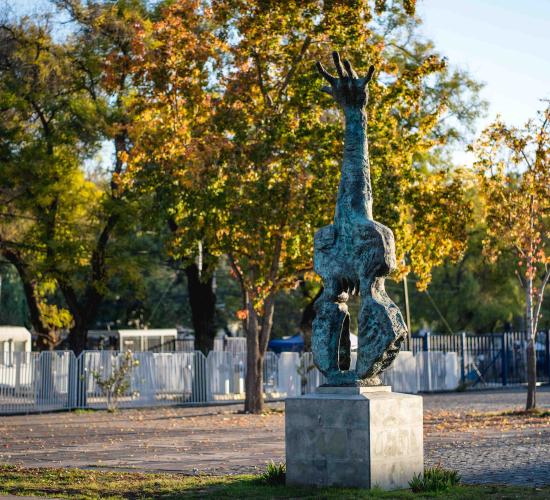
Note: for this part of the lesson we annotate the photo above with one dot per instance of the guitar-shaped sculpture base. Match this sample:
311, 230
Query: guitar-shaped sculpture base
354, 255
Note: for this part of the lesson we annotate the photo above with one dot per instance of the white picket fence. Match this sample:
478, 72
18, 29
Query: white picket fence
47, 381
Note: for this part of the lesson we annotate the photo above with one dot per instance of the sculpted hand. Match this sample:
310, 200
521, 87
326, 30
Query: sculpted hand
349, 90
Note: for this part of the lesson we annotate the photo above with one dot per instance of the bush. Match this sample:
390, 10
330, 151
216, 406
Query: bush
434, 479
118, 383
275, 474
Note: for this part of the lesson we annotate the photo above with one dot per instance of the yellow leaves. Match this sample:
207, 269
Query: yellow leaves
515, 186
54, 317
123, 156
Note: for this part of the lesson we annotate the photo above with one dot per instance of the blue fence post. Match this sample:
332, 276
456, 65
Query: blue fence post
426, 342
504, 359
463, 357
547, 348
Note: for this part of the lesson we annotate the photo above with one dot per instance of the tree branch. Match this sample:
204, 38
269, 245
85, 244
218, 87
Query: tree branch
407, 52
239, 276
29, 288
294, 65
261, 84
540, 298
71, 298
520, 279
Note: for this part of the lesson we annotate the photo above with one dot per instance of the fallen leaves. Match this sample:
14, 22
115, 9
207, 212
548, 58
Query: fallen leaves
456, 422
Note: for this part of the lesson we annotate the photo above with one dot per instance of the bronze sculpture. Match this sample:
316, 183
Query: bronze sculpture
354, 254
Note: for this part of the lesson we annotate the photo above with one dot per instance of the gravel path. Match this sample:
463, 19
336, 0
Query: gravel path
218, 440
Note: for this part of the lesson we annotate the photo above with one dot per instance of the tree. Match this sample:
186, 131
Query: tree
286, 147
68, 96
176, 145
102, 49
46, 131
471, 295
513, 172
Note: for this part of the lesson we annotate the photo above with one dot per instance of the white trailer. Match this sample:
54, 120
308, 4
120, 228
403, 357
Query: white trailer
14, 339
15, 359
133, 340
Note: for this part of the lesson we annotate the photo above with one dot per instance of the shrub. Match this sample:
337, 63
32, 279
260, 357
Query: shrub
275, 474
434, 479
117, 383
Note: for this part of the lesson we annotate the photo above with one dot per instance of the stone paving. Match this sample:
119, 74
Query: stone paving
219, 440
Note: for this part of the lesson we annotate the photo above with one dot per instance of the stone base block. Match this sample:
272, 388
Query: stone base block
354, 437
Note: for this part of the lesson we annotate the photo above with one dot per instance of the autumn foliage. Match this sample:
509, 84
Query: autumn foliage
225, 146
513, 169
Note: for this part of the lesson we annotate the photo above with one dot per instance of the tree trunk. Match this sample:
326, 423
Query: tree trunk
531, 356
47, 338
254, 401
306, 323
45, 388
81, 311
202, 300
258, 332
531, 376
78, 338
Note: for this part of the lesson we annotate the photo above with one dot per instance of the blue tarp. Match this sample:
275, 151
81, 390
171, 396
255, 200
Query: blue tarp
289, 344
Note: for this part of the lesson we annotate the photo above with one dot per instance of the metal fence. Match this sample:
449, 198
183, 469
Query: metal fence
492, 359
31, 381
57, 380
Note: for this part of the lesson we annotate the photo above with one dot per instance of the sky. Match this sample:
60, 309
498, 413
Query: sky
503, 43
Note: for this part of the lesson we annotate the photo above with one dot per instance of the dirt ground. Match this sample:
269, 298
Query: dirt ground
459, 434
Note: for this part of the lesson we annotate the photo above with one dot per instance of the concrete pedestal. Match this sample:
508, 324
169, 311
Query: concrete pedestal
354, 437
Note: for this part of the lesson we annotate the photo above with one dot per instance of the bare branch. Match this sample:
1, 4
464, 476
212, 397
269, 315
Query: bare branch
529, 164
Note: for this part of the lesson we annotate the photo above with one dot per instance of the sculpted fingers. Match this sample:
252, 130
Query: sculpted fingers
349, 69
338, 64
325, 74
366, 79
370, 72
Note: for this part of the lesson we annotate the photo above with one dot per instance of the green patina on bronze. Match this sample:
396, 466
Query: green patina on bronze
354, 255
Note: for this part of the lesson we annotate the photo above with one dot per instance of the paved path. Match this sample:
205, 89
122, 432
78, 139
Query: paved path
218, 440
485, 400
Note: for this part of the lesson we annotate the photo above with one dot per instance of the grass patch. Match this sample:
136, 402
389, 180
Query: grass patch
434, 479
91, 484
275, 474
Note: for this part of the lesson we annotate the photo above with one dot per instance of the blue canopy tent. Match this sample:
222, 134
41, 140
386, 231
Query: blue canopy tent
287, 344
